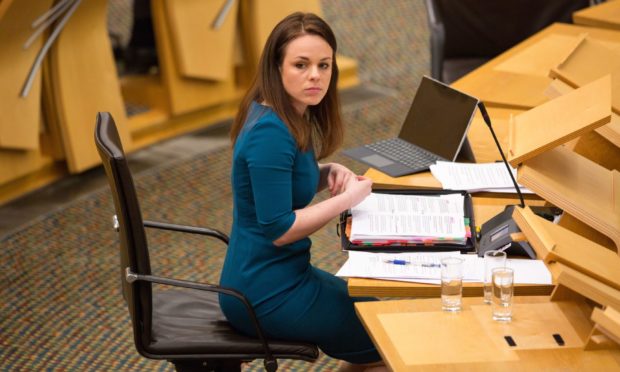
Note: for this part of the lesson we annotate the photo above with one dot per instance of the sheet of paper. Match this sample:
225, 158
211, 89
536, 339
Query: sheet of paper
398, 216
424, 267
490, 177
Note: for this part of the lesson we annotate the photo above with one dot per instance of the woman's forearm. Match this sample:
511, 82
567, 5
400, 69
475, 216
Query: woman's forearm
310, 219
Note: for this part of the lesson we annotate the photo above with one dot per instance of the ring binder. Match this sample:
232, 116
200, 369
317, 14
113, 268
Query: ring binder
393, 247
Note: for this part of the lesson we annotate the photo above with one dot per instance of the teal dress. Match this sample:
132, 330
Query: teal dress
293, 300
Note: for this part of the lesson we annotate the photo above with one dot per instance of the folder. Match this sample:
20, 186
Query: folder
399, 246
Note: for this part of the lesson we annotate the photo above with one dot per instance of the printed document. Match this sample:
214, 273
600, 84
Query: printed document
426, 267
405, 218
490, 177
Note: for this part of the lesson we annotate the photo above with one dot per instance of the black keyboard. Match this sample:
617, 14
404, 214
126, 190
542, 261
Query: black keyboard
404, 152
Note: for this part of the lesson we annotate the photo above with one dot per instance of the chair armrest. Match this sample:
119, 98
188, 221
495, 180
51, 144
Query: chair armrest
132, 277
187, 229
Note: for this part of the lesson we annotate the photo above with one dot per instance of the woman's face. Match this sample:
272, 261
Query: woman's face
306, 70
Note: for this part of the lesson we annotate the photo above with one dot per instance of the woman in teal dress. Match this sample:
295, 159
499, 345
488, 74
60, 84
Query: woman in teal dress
288, 119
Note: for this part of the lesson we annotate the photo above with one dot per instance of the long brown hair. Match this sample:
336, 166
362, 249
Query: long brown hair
321, 126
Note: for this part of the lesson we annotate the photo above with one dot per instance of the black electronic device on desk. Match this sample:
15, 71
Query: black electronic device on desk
496, 234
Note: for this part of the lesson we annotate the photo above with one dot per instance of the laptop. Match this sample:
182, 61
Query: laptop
435, 129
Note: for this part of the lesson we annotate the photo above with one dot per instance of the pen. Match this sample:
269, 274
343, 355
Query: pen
398, 262
403, 262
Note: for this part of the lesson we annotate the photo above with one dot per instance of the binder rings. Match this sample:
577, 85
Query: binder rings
468, 247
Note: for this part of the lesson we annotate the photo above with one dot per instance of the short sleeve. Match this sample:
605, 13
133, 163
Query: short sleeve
270, 155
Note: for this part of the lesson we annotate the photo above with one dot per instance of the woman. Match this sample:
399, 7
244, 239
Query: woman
288, 119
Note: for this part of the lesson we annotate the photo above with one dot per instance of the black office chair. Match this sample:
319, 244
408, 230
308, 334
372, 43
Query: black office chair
184, 326
464, 34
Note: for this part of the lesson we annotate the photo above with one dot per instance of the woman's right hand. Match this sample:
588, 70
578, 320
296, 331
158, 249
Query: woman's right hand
358, 189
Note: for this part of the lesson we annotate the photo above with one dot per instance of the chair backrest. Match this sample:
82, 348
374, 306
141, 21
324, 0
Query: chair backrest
133, 244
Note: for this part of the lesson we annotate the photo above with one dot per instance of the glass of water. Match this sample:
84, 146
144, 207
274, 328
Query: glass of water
503, 287
492, 259
451, 283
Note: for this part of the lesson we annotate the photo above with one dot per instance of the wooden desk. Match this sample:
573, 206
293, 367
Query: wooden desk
525, 67
481, 141
399, 347
605, 15
390, 288
509, 84
486, 205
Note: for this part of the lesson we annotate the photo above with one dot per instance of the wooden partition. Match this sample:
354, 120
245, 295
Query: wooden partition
204, 69
560, 120
84, 81
582, 188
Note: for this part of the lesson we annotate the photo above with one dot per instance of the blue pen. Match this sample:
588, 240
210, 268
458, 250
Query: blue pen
398, 262
403, 262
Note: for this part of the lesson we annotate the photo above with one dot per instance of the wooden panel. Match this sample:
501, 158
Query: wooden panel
609, 321
537, 59
579, 186
560, 120
263, 16
591, 60
51, 133
4, 5
201, 50
596, 147
586, 285
569, 359
606, 15
85, 82
554, 243
185, 94
527, 90
259, 17
21, 116
19, 163
29, 171
602, 146
581, 228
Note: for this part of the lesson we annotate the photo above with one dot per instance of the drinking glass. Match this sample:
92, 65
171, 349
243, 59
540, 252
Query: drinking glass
451, 283
503, 287
492, 259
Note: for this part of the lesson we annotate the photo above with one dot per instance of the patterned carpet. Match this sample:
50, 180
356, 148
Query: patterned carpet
61, 307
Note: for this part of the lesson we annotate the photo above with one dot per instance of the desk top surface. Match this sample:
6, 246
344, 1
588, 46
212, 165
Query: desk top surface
391, 323
525, 67
489, 83
605, 15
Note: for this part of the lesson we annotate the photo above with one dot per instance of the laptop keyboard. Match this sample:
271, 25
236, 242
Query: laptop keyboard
412, 156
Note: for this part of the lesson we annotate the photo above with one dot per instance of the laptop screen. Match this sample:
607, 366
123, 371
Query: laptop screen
438, 118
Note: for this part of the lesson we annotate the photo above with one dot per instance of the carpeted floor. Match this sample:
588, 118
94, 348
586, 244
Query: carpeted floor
61, 307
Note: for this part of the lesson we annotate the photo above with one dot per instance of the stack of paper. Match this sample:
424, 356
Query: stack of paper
489, 177
403, 219
426, 267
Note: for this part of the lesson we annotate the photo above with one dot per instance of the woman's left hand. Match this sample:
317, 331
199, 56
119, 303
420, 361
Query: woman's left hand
338, 177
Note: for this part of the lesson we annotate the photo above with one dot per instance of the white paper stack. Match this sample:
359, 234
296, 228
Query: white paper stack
475, 177
400, 218
426, 267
